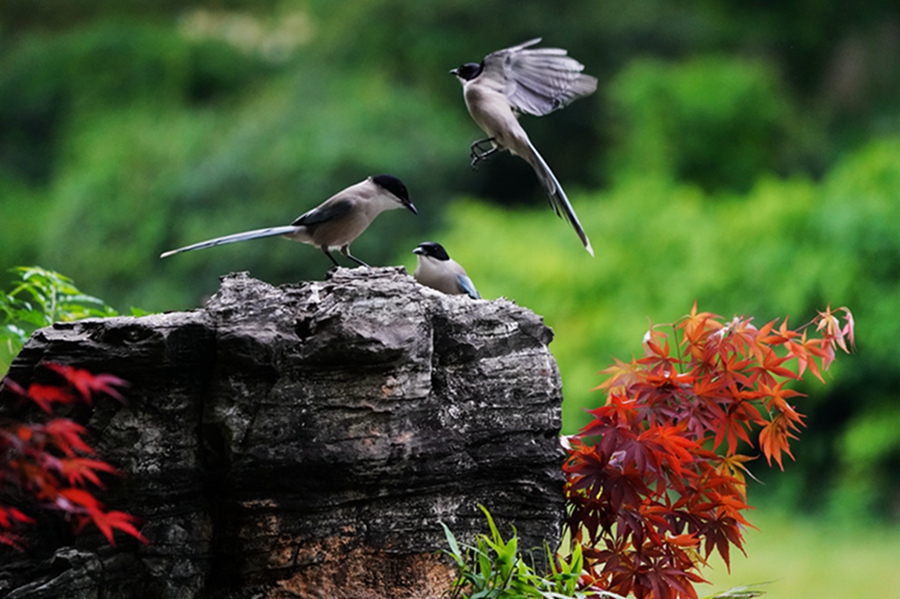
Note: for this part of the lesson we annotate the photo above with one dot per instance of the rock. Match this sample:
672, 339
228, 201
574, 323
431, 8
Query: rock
306, 440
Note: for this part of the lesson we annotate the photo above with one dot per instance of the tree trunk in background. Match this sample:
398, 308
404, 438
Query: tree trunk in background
305, 441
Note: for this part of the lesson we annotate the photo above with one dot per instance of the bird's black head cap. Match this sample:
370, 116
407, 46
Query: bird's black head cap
393, 185
396, 187
433, 249
468, 71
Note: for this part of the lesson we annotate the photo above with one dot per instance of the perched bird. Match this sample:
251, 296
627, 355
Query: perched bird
435, 269
335, 223
519, 80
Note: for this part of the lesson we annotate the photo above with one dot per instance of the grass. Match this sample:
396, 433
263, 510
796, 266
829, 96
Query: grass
804, 559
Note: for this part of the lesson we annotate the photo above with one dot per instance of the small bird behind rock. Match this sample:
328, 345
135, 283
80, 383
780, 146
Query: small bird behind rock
335, 223
437, 270
519, 80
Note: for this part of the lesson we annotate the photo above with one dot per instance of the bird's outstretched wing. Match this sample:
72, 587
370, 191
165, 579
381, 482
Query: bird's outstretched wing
537, 81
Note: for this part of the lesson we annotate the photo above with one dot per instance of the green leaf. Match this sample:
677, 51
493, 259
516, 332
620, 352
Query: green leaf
742, 592
39, 298
454, 546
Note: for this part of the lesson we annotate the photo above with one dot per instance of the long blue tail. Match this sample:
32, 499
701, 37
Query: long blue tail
558, 200
258, 233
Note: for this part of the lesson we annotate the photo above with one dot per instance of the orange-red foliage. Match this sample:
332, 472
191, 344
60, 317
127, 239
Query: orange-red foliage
654, 482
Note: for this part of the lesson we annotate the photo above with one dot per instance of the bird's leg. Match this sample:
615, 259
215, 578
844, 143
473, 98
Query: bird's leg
346, 251
477, 153
475, 146
330, 257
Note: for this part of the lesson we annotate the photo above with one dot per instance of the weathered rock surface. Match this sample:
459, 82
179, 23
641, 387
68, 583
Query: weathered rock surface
305, 441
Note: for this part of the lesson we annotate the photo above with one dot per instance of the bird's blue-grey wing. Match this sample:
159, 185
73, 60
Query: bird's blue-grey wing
466, 285
538, 80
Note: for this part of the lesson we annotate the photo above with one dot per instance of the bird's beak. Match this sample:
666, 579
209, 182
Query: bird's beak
454, 72
411, 208
419, 251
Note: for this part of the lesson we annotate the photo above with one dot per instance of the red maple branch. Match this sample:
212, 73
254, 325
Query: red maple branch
654, 482
51, 461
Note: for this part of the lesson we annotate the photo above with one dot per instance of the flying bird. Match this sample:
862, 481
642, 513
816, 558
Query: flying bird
437, 270
528, 80
335, 223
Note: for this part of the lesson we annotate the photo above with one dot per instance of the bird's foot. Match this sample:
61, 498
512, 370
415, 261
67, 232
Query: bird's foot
478, 153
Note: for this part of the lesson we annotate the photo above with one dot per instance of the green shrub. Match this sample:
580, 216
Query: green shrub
49, 83
495, 568
38, 299
714, 121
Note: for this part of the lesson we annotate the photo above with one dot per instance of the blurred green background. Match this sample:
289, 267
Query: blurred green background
743, 154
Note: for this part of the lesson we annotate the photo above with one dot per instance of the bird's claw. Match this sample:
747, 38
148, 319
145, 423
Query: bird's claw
478, 154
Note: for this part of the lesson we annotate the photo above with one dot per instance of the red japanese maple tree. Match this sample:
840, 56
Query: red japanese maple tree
51, 463
655, 483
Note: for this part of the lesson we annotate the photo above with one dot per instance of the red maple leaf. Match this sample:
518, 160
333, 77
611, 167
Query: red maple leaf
774, 439
47, 395
112, 520
88, 383
67, 436
78, 471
